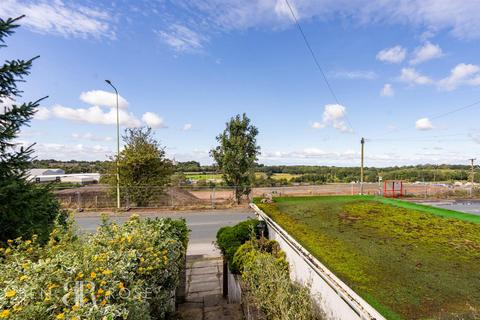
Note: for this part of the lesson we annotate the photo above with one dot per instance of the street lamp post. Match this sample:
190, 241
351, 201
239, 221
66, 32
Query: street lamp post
118, 145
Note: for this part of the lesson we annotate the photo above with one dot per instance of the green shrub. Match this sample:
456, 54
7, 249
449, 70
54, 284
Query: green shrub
269, 288
229, 239
127, 271
250, 249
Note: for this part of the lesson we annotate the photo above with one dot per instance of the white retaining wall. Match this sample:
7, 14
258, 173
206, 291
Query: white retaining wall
333, 296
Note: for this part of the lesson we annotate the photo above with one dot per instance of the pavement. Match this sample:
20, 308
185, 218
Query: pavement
204, 300
203, 225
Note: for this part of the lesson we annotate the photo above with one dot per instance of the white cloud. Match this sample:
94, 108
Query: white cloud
182, 38
90, 136
426, 52
211, 18
95, 115
334, 116
387, 90
42, 113
283, 10
67, 152
461, 74
318, 125
104, 99
393, 55
56, 17
310, 153
423, 124
458, 17
187, 126
354, 74
153, 120
411, 76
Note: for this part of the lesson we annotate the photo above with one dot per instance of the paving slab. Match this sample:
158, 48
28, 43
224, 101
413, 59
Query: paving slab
204, 300
204, 286
203, 271
206, 263
207, 278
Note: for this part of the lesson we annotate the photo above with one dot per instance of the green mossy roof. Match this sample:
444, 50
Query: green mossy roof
409, 261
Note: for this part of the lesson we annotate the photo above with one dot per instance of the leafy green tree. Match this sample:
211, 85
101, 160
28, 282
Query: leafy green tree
25, 208
143, 168
236, 154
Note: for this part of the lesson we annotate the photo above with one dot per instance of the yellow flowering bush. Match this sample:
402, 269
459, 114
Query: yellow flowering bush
127, 271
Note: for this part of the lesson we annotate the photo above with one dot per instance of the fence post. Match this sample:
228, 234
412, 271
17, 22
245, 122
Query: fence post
213, 198
96, 201
79, 199
225, 278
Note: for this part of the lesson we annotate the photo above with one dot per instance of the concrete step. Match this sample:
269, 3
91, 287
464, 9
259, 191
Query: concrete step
204, 300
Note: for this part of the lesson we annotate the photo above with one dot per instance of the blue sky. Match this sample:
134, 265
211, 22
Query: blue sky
186, 67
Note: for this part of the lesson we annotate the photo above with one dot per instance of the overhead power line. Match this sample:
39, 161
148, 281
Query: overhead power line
432, 117
455, 110
315, 60
422, 138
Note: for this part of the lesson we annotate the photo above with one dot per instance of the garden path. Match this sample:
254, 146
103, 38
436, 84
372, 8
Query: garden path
204, 300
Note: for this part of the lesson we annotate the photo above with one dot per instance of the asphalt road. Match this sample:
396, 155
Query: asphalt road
203, 225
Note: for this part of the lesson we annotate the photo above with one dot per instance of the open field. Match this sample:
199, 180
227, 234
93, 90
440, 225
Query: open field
408, 261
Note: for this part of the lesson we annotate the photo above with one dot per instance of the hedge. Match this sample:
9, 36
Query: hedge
229, 239
127, 271
264, 271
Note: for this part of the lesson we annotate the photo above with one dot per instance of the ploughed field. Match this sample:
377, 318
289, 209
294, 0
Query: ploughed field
408, 261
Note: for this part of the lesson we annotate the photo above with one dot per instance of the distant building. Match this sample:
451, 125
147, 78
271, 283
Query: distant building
58, 175
44, 172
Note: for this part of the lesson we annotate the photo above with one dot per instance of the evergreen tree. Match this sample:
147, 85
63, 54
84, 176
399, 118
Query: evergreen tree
237, 153
25, 208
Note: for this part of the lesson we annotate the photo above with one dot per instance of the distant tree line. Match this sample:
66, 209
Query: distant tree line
72, 166
308, 174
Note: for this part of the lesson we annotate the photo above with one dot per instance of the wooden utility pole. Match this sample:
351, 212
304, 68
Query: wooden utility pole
361, 167
472, 175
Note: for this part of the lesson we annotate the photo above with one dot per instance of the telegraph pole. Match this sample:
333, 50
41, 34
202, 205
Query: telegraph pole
472, 174
361, 167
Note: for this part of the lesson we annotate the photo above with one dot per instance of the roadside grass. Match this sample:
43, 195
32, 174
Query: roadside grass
409, 261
